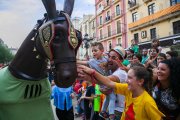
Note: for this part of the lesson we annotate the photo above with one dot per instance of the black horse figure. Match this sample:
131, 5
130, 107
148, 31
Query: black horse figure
24, 88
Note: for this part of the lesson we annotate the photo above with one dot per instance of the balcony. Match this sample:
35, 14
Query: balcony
109, 35
99, 25
132, 5
146, 1
115, 1
157, 17
108, 18
107, 5
100, 10
98, 2
116, 15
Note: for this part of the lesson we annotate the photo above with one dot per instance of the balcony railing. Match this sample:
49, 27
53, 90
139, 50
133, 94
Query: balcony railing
108, 18
116, 15
133, 4
99, 10
147, 1
108, 35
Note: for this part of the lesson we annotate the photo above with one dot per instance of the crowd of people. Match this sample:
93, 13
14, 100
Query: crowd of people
124, 84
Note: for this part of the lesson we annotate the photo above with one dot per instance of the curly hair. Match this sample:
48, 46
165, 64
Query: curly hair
174, 66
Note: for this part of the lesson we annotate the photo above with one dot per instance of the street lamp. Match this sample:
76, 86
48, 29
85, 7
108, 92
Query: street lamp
86, 41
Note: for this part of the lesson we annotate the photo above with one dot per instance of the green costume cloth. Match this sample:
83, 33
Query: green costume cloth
97, 100
135, 48
24, 100
125, 62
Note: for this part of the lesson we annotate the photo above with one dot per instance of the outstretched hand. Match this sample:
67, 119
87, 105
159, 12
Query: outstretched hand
84, 73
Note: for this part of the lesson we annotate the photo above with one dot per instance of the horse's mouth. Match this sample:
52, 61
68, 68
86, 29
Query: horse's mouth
64, 80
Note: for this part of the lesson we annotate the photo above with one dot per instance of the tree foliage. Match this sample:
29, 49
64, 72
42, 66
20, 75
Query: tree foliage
5, 54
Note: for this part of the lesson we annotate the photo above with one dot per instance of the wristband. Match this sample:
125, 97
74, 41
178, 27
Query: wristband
93, 73
92, 76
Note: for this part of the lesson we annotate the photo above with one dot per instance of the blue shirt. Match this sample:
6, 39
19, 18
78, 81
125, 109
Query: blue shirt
61, 95
95, 64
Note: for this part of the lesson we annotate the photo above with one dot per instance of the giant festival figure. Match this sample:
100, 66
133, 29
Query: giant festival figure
24, 87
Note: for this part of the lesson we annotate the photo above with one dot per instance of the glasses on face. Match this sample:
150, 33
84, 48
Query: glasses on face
113, 57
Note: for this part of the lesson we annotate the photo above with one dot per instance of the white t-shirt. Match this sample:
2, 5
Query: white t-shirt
122, 75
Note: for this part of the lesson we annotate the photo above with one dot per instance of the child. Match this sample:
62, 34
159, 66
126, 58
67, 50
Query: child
98, 61
156, 44
88, 100
98, 58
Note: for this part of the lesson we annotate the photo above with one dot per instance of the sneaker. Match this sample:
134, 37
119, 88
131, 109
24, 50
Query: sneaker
112, 117
104, 115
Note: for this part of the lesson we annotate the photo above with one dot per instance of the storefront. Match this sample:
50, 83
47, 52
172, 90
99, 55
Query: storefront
171, 42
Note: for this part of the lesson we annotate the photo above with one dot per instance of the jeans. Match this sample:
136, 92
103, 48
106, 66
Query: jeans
109, 101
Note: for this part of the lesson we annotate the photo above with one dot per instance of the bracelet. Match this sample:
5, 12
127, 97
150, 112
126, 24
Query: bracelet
93, 73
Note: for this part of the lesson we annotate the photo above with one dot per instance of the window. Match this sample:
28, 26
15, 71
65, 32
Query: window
153, 33
94, 35
85, 28
100, 34
93, 24
134, 16
173, 2
108, 16
109, 45
143, 34
119, 26
119, 41
107, 1
117, 10
109, 31
176, 27
100, 20
99, 5
136, 37
151, 9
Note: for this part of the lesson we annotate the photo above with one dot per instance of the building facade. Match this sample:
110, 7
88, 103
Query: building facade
111, 23
76, 21
153, 19
88, 30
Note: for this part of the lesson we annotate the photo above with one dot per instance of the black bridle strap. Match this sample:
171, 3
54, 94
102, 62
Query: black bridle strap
64, 60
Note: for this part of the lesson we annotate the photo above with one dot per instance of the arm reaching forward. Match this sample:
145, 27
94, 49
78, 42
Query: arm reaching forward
89, 74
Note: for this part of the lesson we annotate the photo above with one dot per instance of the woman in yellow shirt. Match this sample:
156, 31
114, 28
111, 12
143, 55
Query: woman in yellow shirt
139, 105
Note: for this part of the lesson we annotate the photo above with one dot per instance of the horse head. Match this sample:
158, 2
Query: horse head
60, 42
53, 38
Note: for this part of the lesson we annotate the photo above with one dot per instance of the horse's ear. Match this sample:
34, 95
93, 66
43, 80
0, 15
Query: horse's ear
68, 6
50, 6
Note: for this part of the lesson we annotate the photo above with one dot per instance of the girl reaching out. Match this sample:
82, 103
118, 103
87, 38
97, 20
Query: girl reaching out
139, 105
